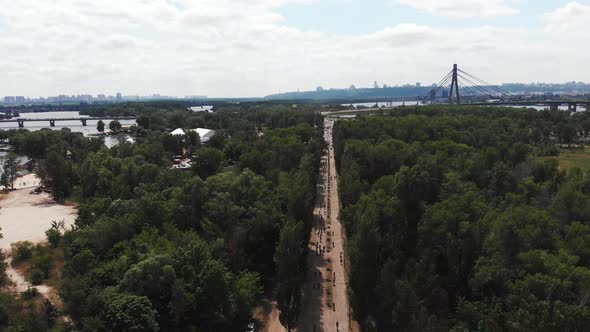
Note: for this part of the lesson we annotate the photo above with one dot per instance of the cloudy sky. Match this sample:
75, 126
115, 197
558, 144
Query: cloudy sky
240, 48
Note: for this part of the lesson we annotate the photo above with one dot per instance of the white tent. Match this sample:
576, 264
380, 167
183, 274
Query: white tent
177, 132
204, 134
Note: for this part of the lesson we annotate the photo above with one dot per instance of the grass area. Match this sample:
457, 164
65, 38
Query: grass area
569, 159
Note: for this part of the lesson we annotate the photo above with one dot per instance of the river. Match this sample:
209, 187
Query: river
384, 104
388, 104
75, 126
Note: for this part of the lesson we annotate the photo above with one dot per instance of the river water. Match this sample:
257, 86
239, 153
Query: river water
581, 108
384, 104
75, 126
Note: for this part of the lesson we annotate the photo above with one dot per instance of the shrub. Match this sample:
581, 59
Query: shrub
53, 237
43, 262
30, 293
3, 267
54, 233
21, 251
37, 276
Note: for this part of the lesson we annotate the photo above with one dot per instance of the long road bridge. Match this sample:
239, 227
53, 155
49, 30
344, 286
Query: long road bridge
52, 121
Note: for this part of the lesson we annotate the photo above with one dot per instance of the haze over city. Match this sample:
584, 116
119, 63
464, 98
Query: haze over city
239, 48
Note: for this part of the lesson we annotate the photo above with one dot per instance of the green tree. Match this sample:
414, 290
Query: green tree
10, 168
364, 253
288, 257
3, 266
55, 166
115, 126
51, 312
193, 139
248, 288
100, 126
153, 278
208, 162
124, 312
40, 171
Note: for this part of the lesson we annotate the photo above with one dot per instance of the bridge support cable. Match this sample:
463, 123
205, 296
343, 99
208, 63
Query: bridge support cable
483, 89
443, 83
476, 86
445, 79
467, 89
485, 83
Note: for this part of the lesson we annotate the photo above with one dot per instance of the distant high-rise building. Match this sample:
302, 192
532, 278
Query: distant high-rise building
119, 96
9, 100
375, 85
417, 84
19, 99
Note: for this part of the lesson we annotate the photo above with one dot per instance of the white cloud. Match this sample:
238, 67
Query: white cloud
462, 8
246, 48
573, 18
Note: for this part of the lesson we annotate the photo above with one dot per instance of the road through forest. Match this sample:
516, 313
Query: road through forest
325, 301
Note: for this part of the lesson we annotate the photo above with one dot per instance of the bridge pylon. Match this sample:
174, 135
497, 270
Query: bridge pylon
455, 86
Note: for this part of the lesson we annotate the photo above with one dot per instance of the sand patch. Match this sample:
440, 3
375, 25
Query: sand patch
26, 217
26, 181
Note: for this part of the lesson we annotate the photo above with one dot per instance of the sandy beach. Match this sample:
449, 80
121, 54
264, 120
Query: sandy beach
26, 217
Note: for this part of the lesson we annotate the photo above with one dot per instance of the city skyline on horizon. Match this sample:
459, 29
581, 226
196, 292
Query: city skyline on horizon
155, 96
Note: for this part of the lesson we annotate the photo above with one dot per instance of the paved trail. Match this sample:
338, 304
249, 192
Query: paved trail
325, 302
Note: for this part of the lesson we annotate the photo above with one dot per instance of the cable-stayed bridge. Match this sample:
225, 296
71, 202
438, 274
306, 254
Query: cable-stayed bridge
460, 87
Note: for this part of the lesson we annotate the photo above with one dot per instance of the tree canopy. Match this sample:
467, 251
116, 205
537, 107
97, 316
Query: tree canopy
156, 248
457, 222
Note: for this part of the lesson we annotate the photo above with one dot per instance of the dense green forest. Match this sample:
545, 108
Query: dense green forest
457, 221
156, 248
458, 218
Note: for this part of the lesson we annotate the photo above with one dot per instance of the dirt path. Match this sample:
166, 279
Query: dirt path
20, 285
325, 293
273, 321
325, 302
